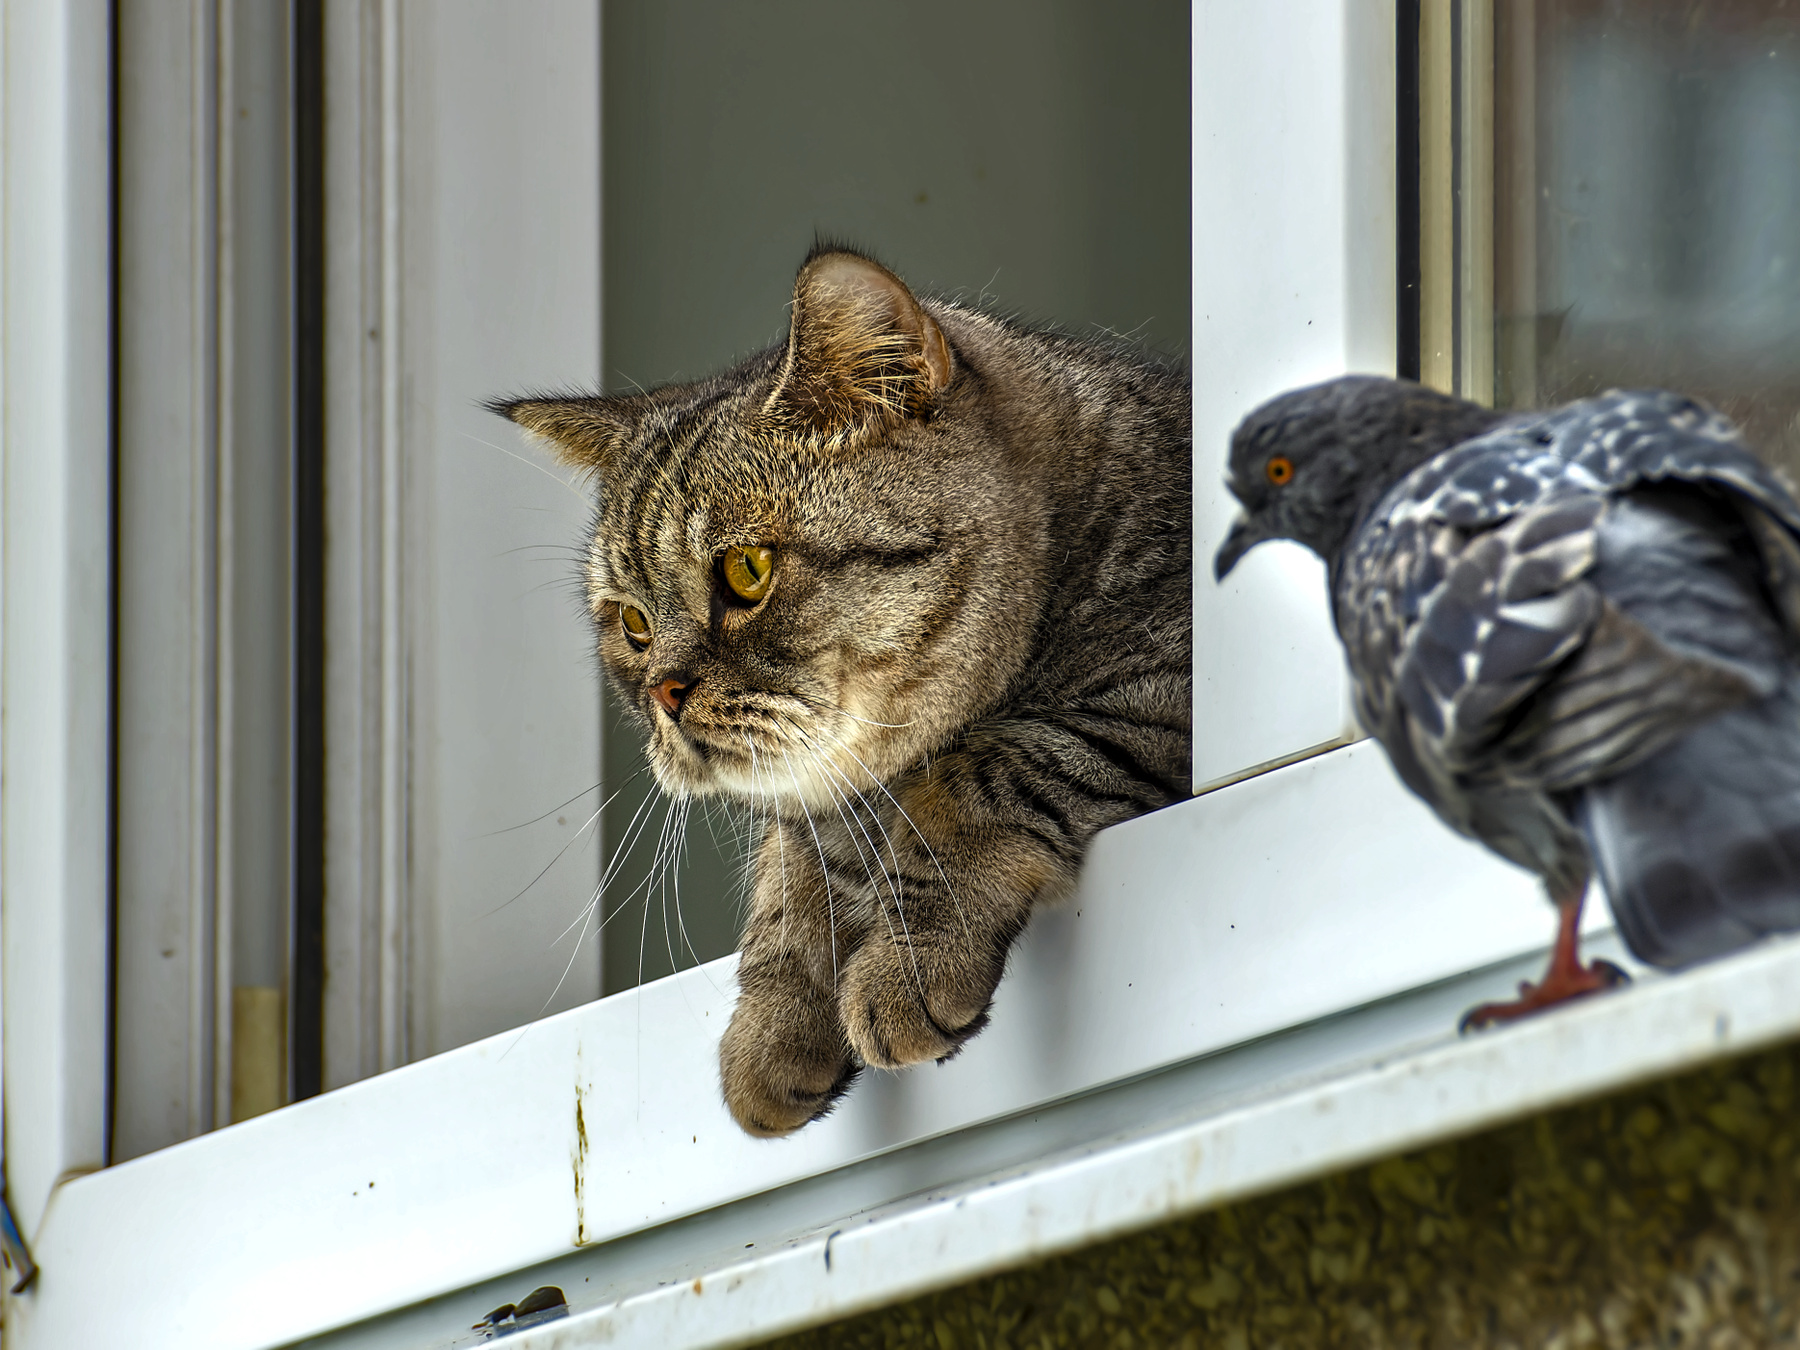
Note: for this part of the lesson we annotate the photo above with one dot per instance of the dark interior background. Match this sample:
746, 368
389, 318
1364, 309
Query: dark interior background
1032, 155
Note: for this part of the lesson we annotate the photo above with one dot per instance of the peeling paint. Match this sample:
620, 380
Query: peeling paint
578, 1159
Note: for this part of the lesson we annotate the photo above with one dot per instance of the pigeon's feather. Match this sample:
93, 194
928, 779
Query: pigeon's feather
1608, 444
1699, 846
1575, 632
1557, 603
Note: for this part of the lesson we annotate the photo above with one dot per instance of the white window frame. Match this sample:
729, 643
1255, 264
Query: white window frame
1165, 1041
443, 290
54, 627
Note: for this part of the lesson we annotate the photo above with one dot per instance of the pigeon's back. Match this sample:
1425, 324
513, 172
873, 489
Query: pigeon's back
1593, 613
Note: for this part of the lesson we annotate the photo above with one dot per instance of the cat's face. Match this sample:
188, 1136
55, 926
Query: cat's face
789, 572
769, 614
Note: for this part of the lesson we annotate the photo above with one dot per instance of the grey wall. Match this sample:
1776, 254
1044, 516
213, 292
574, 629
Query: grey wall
1032, 154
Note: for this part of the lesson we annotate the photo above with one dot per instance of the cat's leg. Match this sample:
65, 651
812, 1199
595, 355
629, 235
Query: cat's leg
917, 991
981, 834
784, 1059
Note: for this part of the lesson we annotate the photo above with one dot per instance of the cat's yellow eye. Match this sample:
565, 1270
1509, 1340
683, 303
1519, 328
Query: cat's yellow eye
1280, 470
748, 571
636, 625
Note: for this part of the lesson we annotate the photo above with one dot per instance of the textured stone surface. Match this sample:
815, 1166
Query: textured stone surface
1665, 1216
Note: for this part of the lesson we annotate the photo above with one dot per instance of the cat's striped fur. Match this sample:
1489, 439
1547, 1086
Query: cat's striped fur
973, 654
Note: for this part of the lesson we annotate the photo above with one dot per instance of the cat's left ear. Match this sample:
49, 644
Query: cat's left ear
583, 433
861, 352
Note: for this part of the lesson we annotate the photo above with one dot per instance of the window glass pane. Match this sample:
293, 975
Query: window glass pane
1647, 205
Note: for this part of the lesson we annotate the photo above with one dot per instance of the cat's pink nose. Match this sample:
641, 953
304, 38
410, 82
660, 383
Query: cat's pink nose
672, 693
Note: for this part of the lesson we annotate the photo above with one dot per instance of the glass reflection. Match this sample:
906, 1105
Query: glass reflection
1647, 220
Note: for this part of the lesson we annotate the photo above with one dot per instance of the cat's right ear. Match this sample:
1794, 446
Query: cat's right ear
861, 350
583, 433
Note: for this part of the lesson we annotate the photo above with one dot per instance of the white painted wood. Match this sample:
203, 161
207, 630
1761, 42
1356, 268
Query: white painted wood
54, 439
1293, 283
255, 576
464, 248
1270, 903
599, 1276
1147, 1176
365, 762
500, 289
204, 502
166, 949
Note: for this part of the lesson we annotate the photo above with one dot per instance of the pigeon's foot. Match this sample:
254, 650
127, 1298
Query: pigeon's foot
1566, 978
1556, 987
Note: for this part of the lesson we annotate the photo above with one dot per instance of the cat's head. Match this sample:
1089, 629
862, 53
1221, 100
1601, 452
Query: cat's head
794, 571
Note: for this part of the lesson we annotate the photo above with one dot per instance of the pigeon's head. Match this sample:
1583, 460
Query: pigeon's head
1306, 465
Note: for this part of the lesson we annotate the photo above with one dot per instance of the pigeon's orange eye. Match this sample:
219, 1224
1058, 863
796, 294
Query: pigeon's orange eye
1280, 470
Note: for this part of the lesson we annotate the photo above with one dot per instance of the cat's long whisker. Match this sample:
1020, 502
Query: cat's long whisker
839, 802
899, 905
595, 901
855, 818
672, 882
646, 885
780, 828
573, 551
681, 919
842, 711
753, 842
650, 885
508, 829
563, 483
580, 918
929, 851
894, 856
892, 884
611, 798
672, 885
823, 761
634, 831
738, 827
574, 952
670, 869
573, 840
824, 872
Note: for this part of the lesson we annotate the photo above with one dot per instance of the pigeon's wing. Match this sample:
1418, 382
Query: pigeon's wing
1624, 439
1686, 632
1470, 612
1449, 633
1612, 444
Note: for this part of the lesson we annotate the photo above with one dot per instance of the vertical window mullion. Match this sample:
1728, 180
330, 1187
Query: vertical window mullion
306, 974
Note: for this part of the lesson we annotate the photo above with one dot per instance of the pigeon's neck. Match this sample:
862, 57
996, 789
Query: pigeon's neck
1357, 517
1447, 425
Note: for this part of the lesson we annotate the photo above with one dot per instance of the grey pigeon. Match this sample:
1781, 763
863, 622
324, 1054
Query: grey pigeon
1576, 632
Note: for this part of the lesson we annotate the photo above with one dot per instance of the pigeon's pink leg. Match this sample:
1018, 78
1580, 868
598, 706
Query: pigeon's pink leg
1566, 978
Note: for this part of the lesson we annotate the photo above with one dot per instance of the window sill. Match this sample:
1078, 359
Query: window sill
1210, 952
1245, 1144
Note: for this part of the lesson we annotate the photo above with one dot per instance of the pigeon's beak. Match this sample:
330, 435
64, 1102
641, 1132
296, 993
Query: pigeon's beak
1242, 537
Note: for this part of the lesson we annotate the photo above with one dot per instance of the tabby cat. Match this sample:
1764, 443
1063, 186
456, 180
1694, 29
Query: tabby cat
912, 585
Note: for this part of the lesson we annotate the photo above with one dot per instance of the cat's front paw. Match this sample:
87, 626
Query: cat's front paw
903, 1007
782, 1063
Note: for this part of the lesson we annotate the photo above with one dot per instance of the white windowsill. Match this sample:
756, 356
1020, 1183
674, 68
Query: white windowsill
1219, 923
1258, 1143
